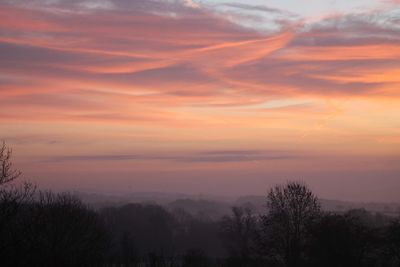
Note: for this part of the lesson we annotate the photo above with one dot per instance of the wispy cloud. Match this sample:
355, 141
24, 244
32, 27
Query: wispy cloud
194, 157
232, 90
188, 70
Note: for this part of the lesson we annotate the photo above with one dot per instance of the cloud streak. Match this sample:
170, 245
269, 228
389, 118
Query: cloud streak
184, 55
238, 81
199, 157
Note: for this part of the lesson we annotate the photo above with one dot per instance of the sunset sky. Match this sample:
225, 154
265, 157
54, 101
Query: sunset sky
222, 97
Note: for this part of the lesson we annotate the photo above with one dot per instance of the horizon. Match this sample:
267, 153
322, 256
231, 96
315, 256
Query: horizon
225, 98
145, 197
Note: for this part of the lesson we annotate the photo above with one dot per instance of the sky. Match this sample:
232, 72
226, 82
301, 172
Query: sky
218, 97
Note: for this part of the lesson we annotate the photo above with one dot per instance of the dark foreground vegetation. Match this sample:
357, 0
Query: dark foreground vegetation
46, 229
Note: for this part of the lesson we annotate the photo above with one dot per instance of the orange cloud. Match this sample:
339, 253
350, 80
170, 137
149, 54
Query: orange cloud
183, 77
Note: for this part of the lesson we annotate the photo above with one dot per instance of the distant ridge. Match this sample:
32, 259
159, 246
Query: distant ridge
214, 207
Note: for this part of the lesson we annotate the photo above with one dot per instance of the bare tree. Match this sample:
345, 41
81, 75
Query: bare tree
14, 199
11, 195
63, 231
7, 171
238, 232
291, 211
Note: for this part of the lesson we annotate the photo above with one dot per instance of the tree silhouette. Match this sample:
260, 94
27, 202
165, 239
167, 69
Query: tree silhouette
339, 240
392, 238
62, 231
13, 202
7, 171
291, 211
239, 234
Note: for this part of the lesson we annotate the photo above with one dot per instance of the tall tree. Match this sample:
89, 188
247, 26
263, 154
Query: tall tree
292, 209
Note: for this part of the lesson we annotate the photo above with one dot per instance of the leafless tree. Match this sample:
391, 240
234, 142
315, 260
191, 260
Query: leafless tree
65, 232
7, 171
291, 211
11, 195
14, 198
238, 232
